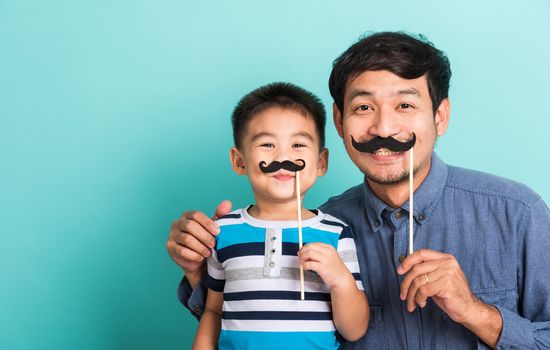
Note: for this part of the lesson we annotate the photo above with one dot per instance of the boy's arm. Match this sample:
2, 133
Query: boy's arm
210, 323
350, 307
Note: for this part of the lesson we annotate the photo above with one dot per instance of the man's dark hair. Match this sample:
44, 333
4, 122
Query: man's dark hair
284, 95
404, 55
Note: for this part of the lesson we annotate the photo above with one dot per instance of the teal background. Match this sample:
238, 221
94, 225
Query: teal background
114, 118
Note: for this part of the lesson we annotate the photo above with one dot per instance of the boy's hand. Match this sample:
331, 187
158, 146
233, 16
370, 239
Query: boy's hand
323, 259
191, 238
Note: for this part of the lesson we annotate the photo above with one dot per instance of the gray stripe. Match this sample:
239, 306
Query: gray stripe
287, 273
215, 264
348, 255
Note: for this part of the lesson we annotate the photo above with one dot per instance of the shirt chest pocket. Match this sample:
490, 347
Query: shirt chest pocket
505, 297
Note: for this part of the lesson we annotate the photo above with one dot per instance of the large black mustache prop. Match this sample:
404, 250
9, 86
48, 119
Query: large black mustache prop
383, 142
286, 165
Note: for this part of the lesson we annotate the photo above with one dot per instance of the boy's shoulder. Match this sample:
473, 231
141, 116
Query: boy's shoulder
233, 218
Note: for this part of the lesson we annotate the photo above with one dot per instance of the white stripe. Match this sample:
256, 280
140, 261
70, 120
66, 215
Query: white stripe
329, 228
329, 217
278, 325
273, 284
346, 244
359, 285
229, 221
353, 267
276, 305
245, 262
215, 273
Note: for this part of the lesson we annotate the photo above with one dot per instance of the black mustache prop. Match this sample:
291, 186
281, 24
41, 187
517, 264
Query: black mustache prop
383, 142
286, 165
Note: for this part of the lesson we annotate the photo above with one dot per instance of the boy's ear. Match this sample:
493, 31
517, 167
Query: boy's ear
338, 120
237, 161
322, 165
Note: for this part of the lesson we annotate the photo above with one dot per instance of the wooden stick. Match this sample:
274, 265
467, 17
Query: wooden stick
300, 243
411, 202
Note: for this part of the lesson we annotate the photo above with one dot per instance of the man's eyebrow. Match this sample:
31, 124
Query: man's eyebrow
409, 91
358, 93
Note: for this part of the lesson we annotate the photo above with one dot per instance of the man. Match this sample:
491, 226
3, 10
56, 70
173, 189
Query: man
478, 277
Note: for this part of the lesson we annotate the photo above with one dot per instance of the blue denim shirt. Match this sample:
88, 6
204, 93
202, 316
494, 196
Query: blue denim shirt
499, 232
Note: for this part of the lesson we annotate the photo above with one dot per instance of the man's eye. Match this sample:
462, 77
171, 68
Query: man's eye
267, 145
365, 108
405, 106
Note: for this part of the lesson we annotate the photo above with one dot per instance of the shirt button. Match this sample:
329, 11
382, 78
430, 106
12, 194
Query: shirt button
272, 264
273, 251
421, 217
377, 223
401, 258
197, 308
273, 238
398, 214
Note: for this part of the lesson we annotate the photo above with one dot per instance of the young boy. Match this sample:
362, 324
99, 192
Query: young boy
253, 274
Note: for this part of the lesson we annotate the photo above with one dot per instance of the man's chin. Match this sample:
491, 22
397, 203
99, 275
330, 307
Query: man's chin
388, 180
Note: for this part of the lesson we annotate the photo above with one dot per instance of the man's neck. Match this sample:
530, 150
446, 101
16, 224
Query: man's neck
395, 195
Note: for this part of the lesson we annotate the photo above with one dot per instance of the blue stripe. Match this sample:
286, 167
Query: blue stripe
231, 216
239, 340
237, 250
215, 284
239, 233
356, 276
275, 295
277, 315
311, 235
346, 233
333, 223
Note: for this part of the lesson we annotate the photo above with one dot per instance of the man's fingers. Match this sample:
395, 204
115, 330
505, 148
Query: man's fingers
415, 271
418, 257
196, 230
422, 287
201, 219
222, 209
201, 245
189, 255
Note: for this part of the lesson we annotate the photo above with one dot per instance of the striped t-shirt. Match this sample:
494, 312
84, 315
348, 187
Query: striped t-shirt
255, 265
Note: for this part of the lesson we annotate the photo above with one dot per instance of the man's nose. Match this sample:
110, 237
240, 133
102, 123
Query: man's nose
384, 124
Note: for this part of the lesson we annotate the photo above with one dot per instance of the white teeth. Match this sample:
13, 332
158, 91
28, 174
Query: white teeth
385, 152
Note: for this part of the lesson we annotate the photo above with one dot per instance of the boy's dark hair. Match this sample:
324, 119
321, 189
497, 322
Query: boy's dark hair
404, 55
283, 95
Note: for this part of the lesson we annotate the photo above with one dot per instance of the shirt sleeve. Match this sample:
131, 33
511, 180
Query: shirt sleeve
528, 327
348, 253
193, 299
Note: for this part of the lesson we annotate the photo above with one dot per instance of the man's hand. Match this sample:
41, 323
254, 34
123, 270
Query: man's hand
191, 238
432, 274
324, 259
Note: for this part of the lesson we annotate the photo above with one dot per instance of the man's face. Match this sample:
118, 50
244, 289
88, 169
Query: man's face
279, 134
380, 103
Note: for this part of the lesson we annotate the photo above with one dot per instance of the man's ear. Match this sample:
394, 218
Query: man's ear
442, 117
237, 161
338, 120
322, 165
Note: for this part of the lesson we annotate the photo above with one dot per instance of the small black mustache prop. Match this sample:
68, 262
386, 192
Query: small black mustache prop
383, 142
286, 165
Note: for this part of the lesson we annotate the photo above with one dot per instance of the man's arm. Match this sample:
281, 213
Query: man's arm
189, 243
439, 276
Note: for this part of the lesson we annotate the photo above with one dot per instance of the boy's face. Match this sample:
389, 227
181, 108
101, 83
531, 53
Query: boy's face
279, 134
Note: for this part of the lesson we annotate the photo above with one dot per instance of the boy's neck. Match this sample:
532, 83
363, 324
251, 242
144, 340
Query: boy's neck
278, 211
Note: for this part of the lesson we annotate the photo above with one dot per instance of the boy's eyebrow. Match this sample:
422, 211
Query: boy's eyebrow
304, 134
261, 134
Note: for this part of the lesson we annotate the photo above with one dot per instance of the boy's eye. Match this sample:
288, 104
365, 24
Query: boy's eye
267, 145
298, 145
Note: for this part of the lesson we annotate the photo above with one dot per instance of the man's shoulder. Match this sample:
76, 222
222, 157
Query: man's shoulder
485, 184
350, 198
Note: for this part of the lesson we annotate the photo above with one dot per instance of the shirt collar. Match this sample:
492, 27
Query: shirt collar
426, 196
